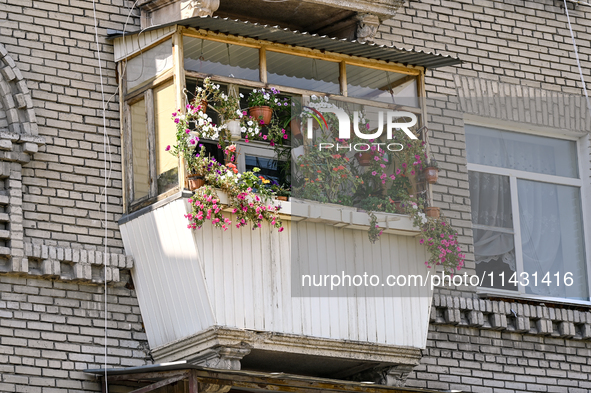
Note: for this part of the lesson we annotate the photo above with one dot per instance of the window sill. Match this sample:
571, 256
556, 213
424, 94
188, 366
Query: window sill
513, 295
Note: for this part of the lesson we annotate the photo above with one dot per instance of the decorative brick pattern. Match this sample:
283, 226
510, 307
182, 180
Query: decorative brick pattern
477, 345
52, 43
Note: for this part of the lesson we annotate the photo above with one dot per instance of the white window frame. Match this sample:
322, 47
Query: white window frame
583, 147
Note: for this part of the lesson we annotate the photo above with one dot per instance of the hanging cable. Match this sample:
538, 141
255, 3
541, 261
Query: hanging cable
572, 34
105, 140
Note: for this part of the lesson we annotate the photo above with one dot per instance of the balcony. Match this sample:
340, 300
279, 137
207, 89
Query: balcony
226, 299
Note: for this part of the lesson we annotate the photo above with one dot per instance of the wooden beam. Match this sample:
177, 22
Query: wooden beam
263, 65
193, 382
343, 77
148, 375
159, 384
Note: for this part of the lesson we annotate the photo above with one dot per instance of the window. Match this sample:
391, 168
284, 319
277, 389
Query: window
303, 72
148, 64
139, 136
525, 192
155, 76
219, 58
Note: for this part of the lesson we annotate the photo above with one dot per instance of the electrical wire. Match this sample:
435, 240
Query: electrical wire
572, 34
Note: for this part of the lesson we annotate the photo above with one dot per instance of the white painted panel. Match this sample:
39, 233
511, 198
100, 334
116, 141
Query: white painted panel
189, 280
167, 274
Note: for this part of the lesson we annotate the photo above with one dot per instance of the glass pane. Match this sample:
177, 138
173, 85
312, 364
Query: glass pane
149, 63
139, 143
490, 197
531, 153
303, 72
269, 168
494, 244
552, 237
166, 164
494, 253
381, 85
218, 58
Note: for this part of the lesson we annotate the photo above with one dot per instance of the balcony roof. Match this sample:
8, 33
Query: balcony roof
277, 34
252, 381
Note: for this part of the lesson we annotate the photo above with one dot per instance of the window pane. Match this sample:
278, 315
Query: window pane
149, 63
494, 246
531, 153
552, 237
218, 58
139, 143
269, 168
303, 72
381, 85
166, 164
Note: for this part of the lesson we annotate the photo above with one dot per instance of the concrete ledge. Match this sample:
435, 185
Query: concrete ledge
219, 336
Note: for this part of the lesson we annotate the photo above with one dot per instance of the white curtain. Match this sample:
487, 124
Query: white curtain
491, 207
552, 237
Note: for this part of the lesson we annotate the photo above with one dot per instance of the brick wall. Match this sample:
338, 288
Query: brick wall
495, 346
53, 45
51, 331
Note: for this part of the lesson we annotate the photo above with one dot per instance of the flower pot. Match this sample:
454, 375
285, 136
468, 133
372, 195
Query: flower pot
282, 198
432, 212
296, 130
364, 158
398, 205
263, 113
431, 174
195, 182
233, 127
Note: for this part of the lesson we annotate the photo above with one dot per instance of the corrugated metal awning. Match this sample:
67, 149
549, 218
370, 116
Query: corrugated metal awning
286, 36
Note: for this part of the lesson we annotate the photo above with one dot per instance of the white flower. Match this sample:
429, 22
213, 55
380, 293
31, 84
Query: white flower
249, 122
243, 129
241, 95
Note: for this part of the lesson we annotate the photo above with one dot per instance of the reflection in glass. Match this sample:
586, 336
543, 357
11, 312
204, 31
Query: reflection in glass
166, 164
148, 64
380, 85
139, 143
303, 72
525, 152
218, 58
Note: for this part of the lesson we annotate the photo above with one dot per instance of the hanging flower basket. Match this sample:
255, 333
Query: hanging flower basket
364, 158
432, 212
195, 182
234, 129
431, 174
263, 113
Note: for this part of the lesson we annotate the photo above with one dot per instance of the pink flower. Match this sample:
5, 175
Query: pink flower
412, 172
398, 171
280, 229
421, 241
176, 120
376, 158
265, 137
383, 166
392, 177
167, 148
374, 173
187, 131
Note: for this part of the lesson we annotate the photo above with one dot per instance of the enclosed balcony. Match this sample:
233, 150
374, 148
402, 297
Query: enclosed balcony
267, 299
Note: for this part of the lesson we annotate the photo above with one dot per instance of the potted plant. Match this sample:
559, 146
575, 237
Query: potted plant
431, 172
282, 193
228, 107
431, 211
261, 104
